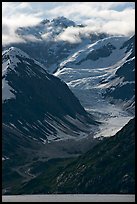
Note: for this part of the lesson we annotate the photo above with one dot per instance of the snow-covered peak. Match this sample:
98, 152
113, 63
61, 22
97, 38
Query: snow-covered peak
45, 30
115, 41
45, 21
61, 20
15, 62
13, 52
12, 56
10, 59
103, 53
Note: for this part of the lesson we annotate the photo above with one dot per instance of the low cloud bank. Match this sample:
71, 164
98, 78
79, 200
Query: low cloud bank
116, 18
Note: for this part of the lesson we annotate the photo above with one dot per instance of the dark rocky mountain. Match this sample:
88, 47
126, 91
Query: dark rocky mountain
108, 168
38, 111
49, 107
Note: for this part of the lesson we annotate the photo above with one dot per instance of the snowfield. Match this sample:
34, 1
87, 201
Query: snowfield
89, 79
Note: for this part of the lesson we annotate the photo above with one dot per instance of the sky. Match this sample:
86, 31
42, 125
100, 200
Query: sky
111, 17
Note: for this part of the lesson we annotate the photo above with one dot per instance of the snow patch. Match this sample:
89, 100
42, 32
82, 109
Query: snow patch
5, 158
7, 91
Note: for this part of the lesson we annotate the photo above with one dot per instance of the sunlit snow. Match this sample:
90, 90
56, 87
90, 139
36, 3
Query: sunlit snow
84, 80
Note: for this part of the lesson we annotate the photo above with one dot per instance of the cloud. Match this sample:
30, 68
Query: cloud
31, 38
115, 22
71, 34
25, 5
115, 26
85, 10
101, 19
111, 17
9, 35
16, 15
9, 27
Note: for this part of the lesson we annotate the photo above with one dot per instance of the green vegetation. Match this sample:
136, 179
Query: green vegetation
109, 167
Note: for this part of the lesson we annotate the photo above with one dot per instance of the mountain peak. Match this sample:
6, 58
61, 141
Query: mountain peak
13, 52
63, 21
44, 21
13, 55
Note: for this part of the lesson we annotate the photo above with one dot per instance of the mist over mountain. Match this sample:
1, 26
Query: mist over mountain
60, 35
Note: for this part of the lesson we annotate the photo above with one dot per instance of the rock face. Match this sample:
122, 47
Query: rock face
124, 90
